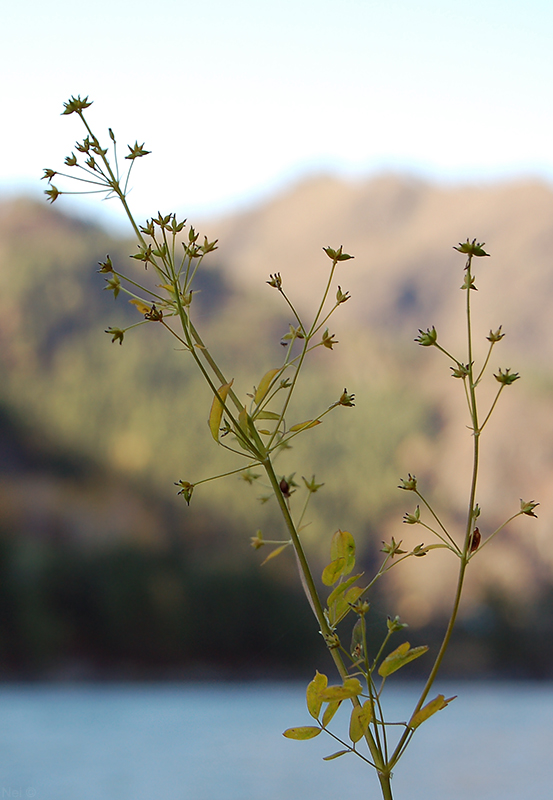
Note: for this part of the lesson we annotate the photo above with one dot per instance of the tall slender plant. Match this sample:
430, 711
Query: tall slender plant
254, 425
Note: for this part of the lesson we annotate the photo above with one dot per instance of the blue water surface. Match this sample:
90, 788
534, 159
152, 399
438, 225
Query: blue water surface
224, 742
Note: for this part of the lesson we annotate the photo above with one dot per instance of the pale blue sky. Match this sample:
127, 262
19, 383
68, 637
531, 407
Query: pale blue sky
237, 98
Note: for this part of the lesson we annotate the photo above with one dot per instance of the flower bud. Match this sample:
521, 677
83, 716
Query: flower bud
427, 338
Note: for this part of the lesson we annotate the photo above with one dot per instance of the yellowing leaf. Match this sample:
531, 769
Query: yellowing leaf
350, 688
401, 656
303, 426
305, 732
264, 385
343, 546
341, 588
266, 415
217, 409
336, 755
144, 308
332, 571
428, 710
313, 694
330, 710
359, 721
274, 553
343, 604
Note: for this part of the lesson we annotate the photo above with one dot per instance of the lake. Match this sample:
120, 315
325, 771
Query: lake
224, 742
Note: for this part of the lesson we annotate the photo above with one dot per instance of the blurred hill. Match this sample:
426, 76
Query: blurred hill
134, 414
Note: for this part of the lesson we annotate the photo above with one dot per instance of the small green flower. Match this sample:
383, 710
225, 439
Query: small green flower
346, 399
329, 340
113, 285
105, 266
116, 333
75, 104
52, 193
413, 519
410, 485
461, 371
473, 248
342, 297
208, 247
506, 378
137, 151
393, 549
145, 254
427, 338
395, 624
495, 336
49, 174
337, 255
360, 607
528, 508
311, 485
84, 147
276, 281
257, 541
185, 490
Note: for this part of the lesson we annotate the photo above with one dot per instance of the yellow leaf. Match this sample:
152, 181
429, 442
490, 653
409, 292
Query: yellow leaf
330, 710
217, 409
275, 552
304, 732
428, 710
303, 426
264, 385
343, 604
313, 694
336, 755
144, 308
343, 546
332, 571
359, 721
350, 688
399, 657
341, 588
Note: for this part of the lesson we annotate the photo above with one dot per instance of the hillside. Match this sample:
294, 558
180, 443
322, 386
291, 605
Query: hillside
139, 410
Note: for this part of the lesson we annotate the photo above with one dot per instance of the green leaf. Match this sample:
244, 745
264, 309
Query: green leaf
274, 553
304, 732
266, 415
350, 688
336, 755
342, 605
330, 710
341, 588
343, 546
313, 694
332, 571
303, 426
428, 710
264, 385
401, 656
217, 409
359, 721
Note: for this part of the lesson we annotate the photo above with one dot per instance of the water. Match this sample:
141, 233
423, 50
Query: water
224, 742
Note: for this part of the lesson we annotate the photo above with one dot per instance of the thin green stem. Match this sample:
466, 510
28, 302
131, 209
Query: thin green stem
488, 415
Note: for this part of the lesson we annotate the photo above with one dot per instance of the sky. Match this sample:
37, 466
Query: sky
237, 100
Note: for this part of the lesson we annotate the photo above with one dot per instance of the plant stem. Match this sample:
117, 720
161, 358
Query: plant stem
314, 601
